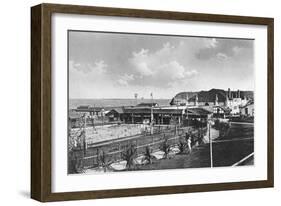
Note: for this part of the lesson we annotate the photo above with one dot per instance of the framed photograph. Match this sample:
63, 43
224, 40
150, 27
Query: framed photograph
130, 102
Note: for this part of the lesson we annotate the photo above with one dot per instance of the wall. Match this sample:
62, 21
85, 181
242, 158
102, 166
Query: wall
15, 102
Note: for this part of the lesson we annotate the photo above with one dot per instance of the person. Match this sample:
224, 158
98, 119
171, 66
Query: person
189, 144
192, 140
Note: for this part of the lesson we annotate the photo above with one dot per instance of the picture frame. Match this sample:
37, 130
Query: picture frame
41, 101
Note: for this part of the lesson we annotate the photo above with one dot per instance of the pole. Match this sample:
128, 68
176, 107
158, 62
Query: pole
102, 113
84, 136
211, 146
151, 119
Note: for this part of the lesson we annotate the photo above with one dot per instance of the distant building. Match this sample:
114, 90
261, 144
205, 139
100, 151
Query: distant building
115, 115
226, 100
221, 111
152, 104
91, 111
248, 110
163, 115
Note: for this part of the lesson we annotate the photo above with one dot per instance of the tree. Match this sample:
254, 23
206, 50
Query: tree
103, 161
182, 147
148, 156
129, 156
165, 147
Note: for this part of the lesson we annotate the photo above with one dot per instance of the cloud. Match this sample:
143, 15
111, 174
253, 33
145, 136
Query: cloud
210, 43
175, 71
98, 67
125, 79
236, 49
159, 68
221, 56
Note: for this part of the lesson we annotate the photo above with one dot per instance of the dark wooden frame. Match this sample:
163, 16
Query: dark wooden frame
41, 101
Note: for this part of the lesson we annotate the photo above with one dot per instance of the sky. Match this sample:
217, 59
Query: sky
120, 65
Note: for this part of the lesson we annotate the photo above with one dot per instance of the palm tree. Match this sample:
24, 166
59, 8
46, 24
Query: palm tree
166, 148
129, 156
148, 156
103, 161
182, 147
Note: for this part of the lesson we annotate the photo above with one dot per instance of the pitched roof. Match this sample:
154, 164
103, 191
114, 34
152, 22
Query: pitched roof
88, 109
143, 104
157, 110
119, 110
199, 111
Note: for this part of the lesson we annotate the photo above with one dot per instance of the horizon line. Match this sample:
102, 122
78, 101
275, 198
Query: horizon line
156, 98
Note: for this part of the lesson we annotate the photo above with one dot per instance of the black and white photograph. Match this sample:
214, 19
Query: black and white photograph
139, 102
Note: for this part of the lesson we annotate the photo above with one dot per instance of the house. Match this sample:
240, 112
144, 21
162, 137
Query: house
197, 116
91, 111
164, 115
248, 110
152, 104
159, 115
221, 111
217, 98
115, 114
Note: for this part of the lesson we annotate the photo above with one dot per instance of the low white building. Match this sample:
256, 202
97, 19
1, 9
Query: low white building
248, 110
235, 104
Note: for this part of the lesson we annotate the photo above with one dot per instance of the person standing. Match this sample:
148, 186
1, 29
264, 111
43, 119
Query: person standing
189, 144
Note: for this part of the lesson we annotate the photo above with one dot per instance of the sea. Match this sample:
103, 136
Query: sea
74, 103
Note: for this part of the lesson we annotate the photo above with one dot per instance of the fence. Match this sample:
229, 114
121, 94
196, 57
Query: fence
113, 150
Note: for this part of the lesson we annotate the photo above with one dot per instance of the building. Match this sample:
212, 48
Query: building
248, 110
221, 112
221, 100
163, 115
197, 116
157, 115
91, 111
116, 115
152, 104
